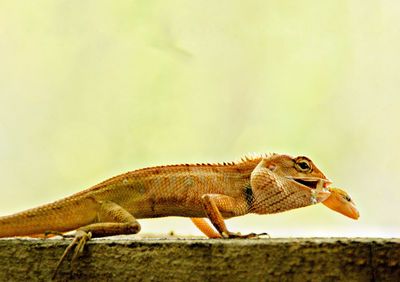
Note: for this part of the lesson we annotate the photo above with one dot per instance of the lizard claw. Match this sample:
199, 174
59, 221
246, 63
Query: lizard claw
261, 235
247, 236
80, 239
83, 237
255, 235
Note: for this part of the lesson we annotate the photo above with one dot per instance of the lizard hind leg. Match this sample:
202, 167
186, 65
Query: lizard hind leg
112, 220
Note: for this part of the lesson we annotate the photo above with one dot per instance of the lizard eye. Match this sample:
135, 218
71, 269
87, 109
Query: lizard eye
347, 198
303, 165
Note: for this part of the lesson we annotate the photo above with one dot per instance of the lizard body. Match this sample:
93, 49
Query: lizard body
175, 190
263, 185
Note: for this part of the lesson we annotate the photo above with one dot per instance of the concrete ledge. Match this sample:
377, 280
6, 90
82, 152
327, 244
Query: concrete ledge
314, 259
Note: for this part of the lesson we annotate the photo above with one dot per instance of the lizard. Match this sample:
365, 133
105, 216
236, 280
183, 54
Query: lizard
268, 183
339, 200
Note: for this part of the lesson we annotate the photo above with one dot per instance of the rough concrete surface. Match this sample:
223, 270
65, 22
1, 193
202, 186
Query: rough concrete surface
286, 259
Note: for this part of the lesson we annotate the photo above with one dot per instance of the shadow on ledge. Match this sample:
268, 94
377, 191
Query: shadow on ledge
121, 259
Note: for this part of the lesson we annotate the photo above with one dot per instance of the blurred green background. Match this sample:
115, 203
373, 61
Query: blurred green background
95, 88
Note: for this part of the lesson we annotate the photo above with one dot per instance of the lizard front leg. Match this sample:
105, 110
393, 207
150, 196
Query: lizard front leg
112, 220
215, 205
204, 227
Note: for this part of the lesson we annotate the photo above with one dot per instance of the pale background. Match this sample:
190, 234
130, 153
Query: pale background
90, 89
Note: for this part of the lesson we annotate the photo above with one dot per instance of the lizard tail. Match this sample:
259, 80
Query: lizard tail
63, 215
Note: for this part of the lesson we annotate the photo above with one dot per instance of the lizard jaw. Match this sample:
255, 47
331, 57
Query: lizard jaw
317, 186
312, 182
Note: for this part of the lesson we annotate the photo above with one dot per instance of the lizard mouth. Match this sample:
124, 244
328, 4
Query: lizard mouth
311, 182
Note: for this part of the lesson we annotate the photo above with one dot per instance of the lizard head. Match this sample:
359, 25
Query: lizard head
299, 169
303, 172
341, 202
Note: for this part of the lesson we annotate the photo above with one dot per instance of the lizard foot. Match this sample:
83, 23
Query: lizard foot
80, 239
247, 236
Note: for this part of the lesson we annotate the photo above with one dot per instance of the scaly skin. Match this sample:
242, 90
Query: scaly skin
266, 184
